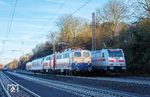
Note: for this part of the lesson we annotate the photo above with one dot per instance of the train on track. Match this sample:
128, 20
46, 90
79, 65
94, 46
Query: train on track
110, 60
72, 61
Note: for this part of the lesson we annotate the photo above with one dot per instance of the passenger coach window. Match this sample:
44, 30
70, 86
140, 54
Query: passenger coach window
47, 58
66, 55
86, 54
77, 54
103, 55
59, 57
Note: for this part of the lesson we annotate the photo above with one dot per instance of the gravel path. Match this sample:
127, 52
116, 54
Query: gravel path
140, 89
83, 91
20, 93
40, 89
2, 93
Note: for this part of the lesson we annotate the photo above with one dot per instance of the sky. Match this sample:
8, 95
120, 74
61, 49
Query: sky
32, 21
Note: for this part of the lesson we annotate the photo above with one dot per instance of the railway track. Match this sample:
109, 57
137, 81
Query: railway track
113, 79
13, 89
137, 86
79, 90
123, 80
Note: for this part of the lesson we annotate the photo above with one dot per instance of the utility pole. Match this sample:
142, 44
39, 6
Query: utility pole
93, 32
22, 43
54, 49
54, 64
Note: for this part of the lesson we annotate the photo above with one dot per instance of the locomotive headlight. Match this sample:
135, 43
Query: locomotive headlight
75, 62
111, 64
122, 64
88, 63
111, 68
123, 67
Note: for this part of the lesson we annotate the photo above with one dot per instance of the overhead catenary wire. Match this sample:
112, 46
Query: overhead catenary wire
10, 23
75, 11
81, 7
11, 18
58, 10
52, 18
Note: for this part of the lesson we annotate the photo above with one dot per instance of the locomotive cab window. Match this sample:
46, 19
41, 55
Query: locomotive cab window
77, 54
115, 53
86, 54
103, 55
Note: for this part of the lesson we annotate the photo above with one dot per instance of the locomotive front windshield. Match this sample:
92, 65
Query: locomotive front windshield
77, 54
117, 53
86, 54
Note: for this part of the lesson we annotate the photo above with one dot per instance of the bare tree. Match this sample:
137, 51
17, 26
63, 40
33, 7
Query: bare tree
146, 6
111, 15
141, 9
69, 27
